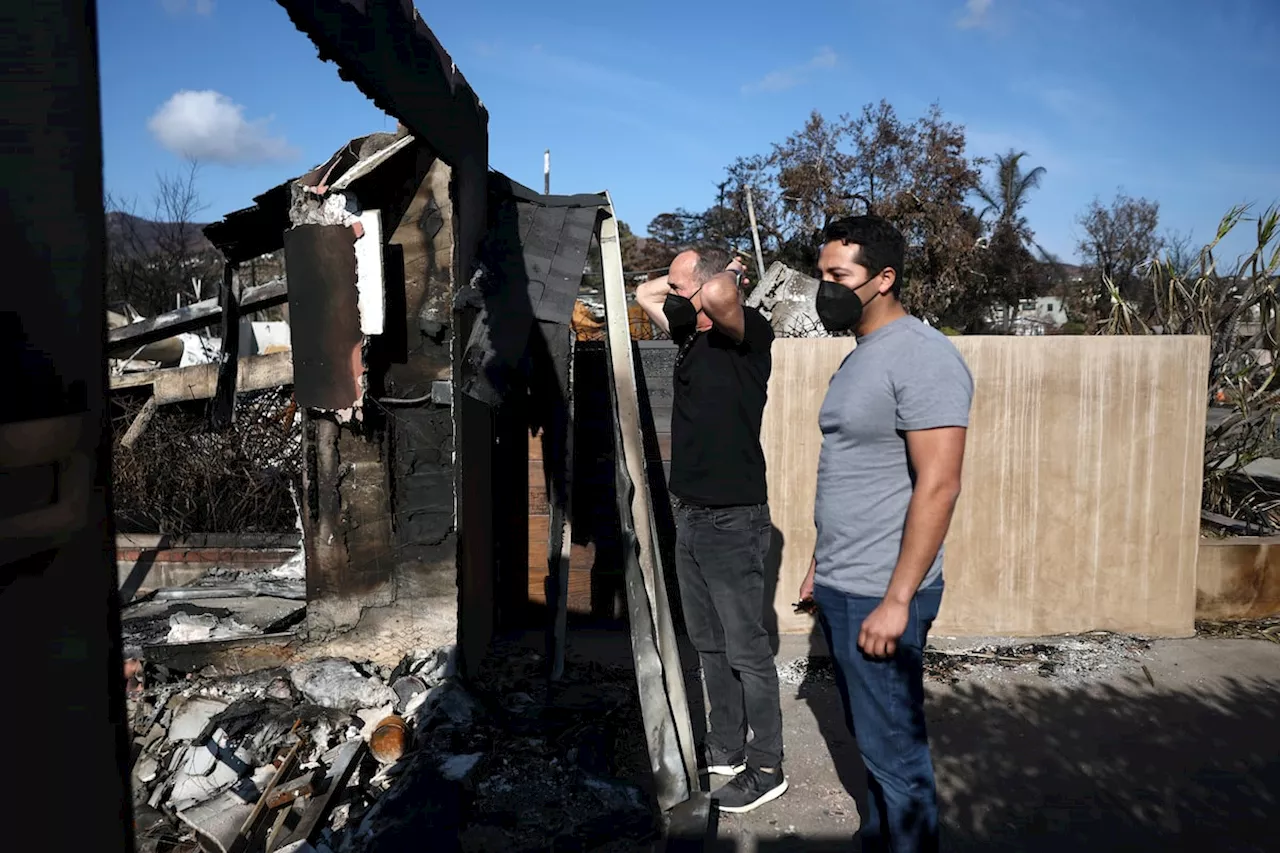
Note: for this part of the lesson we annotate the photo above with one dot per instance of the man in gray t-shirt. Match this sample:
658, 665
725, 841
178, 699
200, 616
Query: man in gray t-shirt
893, 433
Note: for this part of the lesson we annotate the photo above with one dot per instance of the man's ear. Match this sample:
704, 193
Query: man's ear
888, 276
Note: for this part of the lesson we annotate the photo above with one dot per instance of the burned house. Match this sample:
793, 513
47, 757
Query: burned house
402, 371
418, 395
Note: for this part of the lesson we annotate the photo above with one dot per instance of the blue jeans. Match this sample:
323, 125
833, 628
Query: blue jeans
884, 703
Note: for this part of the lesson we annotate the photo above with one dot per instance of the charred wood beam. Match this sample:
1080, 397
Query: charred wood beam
125, 339
139, 424
392, 56
223, 410
199, 381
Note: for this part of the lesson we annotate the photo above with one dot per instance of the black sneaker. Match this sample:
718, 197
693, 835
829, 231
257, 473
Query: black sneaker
751, 788
726, 763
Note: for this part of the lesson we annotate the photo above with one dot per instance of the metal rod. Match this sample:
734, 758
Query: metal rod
755, 232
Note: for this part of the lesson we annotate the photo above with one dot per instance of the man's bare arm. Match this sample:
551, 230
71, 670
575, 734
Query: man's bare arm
650, 296
937, 456
721, 305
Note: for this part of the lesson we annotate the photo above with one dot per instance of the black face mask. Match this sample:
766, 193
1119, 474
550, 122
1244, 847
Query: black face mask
839, 307
682, 317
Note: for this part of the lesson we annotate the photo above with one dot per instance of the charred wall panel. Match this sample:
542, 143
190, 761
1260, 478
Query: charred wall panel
327, 360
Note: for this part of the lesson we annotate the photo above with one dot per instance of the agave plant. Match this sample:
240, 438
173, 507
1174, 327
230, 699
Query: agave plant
1240, 312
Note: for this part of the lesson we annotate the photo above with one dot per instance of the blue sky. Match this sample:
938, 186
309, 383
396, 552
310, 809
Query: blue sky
1170, 99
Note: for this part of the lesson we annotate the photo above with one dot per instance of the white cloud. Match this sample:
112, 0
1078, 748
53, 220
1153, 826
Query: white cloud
824, 58
788, 78
976, 14
204, 8
210, 127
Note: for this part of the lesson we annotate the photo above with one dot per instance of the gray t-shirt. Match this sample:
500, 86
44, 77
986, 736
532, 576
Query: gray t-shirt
902, 377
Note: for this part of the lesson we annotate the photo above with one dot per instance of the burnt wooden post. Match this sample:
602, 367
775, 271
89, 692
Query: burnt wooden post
223, 409
59, 610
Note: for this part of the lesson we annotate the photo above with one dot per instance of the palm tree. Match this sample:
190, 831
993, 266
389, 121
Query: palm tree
1009, 263
1008, 195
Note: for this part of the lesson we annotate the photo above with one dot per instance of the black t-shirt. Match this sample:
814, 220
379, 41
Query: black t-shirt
720, 391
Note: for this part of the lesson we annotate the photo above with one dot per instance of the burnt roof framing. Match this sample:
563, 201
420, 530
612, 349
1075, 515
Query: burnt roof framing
387, 50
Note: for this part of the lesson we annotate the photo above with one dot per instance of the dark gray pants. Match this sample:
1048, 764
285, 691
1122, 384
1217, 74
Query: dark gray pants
720, 564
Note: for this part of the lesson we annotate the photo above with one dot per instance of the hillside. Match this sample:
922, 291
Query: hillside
133, 234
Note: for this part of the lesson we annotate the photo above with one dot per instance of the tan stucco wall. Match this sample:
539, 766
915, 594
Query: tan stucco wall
1082, 482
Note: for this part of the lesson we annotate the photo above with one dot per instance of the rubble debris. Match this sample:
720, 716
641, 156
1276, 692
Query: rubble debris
407, 688
153, 621
205, 769
1075, 659
334, 784
196, 628
192, 716
216, 822
507, 762
300, 786
1241, 629
253, 821
145, 770
338, 684
446, 704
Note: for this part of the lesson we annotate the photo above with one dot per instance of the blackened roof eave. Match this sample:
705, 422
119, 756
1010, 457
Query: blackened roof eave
253, 231
500, 185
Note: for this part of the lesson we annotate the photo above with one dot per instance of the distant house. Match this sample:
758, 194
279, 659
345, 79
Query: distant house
1032, 317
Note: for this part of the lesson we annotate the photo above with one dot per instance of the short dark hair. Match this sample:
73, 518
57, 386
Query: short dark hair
880, 243
711, 260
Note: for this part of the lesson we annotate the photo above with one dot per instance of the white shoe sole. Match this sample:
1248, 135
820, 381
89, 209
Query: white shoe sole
726, 769
767, 797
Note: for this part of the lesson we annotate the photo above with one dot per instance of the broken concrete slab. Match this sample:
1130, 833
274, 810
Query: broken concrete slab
335, 683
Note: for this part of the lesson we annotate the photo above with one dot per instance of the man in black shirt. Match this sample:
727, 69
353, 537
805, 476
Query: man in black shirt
722, 515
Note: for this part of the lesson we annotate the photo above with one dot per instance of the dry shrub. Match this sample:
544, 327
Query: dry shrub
1239, 310
180, 477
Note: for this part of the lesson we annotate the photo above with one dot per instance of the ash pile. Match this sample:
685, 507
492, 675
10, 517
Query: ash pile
332, 755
